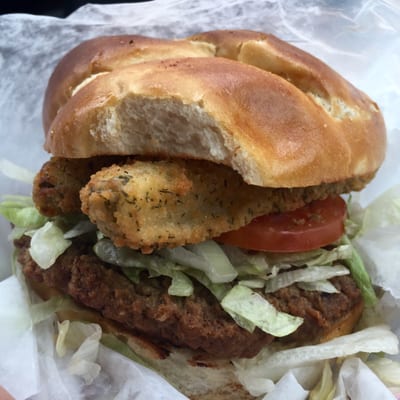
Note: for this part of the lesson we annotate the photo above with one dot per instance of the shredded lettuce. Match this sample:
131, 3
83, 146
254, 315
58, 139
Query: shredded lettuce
16, 233
48, 237
311, 258
181, 285
219, 268
80, 228
47, 244
250, 310
120, 256
183, 262
323, 286
132, 274
207, 257
133, 262
351, 228
252, 283
308, 274
386, 369
344, 252
378, 239
18, 199
269, 364
360, 274
249, 264
84, 340
183, 256
45, 309
27, 217
219, 290
21, 212
325, 389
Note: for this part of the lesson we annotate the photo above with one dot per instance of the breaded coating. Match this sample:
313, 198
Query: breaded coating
153, 204
57, 185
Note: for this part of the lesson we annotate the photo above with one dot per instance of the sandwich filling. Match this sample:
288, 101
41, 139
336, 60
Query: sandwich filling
155, 254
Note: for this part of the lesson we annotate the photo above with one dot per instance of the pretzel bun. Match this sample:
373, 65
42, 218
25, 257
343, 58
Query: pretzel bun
104, 54
275, 114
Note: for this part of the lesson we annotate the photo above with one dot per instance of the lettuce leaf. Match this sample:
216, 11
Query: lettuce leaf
386, 369
84, 340
308, 274
80, 228
133, 262
45, 309
270, 364
378, 239
181, 285
250, 310
325, 389
47, 244
323, 286
205, 256
360, 274
21, 212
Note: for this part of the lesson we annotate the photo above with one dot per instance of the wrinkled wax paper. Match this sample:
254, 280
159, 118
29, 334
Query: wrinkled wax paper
360, 39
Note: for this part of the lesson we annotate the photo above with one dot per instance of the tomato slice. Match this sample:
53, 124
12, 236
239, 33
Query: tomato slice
315, 225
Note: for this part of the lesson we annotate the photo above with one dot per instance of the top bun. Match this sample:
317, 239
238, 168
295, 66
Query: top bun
106, 53
277, 115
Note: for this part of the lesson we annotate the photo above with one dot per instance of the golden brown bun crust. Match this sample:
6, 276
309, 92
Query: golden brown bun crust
195, 376
104, 54
300, 68
300, 124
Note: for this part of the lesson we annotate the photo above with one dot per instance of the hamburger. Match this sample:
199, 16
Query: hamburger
192, 204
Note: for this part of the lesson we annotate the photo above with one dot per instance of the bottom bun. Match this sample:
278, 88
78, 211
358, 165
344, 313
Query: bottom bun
195, 375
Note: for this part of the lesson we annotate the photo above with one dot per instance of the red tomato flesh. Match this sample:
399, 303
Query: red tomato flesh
315, 225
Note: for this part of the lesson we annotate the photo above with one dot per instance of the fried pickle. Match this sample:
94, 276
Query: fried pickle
56, 187
153, 204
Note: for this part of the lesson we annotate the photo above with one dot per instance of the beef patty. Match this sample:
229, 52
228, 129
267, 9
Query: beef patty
197, 322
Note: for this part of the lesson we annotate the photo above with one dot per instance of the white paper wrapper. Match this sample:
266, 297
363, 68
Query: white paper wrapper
351, 382
17, 342
360, 39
